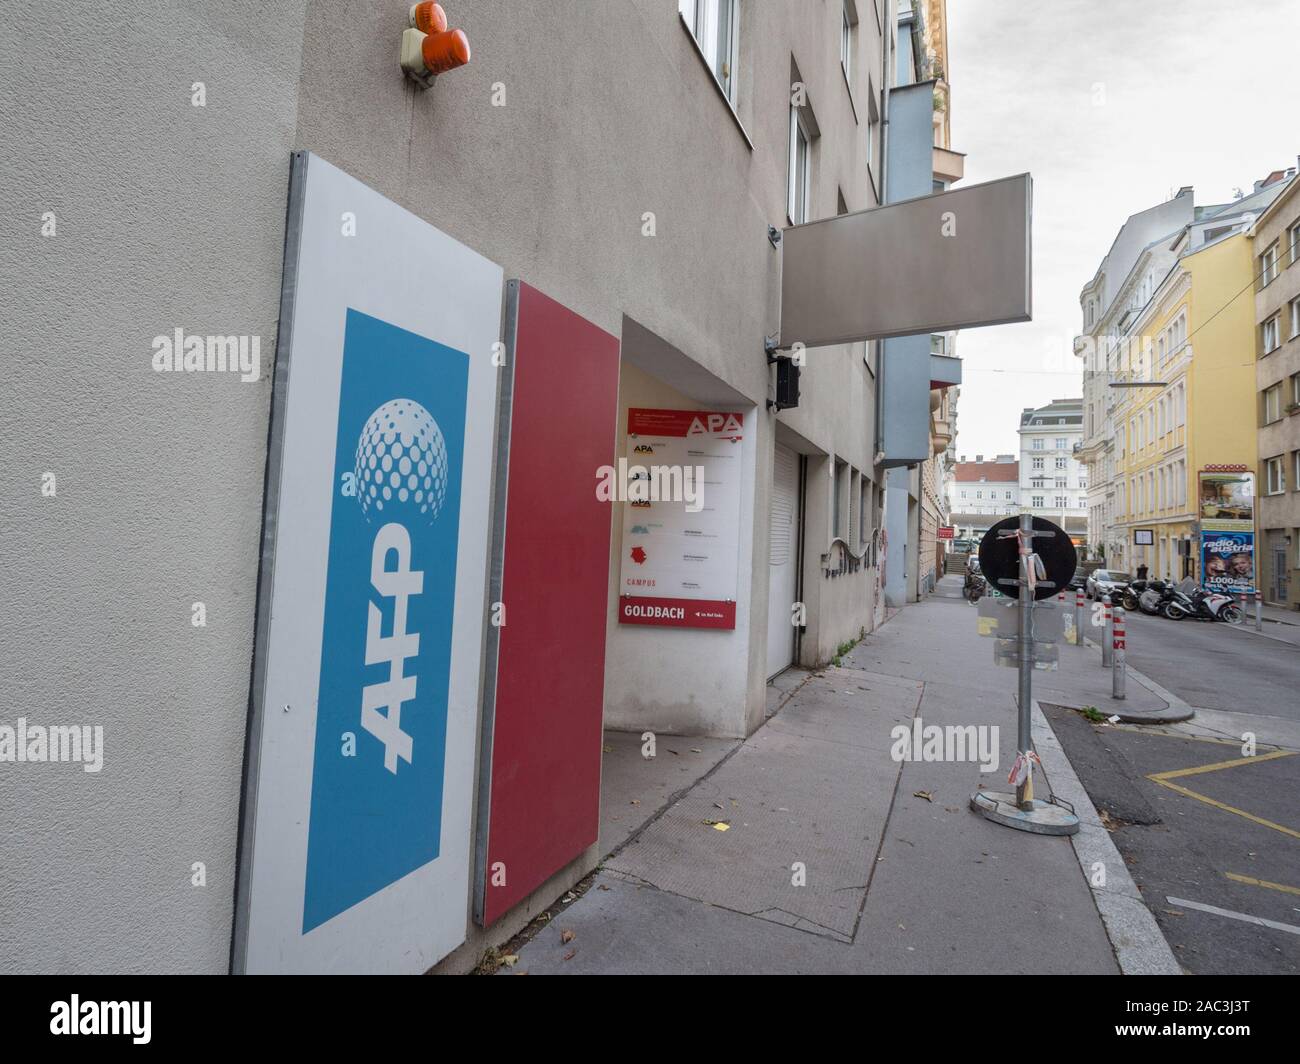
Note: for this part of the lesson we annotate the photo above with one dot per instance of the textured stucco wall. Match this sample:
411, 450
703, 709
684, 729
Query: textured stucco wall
168, 215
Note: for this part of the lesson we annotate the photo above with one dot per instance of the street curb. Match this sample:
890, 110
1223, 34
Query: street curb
1139, 944
1175, 712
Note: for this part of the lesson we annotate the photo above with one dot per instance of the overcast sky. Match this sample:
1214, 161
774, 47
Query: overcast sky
1111, 106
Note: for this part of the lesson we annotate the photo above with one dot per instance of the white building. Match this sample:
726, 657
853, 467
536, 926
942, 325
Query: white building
981, 493
1052, 482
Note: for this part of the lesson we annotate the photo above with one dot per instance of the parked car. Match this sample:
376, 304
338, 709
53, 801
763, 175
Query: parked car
1104, 581
1078, 580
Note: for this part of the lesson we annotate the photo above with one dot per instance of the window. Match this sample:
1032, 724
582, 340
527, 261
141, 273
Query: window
1060, 463
1295, 389
1061, 502
1038, 445
1038, 463
837, 521
1061, 482
1037, 501
713, 24
800, 168
1268, 265
1009, 493
847, 20
1295, 470
1295, 318
1293, 242
1060, 443
1275, 475
1273, 404
1268, 335
979, 495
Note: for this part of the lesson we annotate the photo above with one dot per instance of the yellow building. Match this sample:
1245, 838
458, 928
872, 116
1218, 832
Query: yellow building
1186, 398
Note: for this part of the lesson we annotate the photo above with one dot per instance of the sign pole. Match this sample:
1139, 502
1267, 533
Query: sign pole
1033, 577
1024, 790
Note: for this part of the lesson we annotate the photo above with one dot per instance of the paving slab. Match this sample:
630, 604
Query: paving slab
634, 788
812, 787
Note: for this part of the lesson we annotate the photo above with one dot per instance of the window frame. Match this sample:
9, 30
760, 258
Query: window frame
1275, 462
799, 131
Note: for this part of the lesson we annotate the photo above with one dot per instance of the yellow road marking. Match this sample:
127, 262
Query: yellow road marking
1160, 777
1163, 779
1261, 883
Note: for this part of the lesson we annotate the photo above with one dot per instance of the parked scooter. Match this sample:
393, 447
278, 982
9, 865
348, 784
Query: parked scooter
1189, 599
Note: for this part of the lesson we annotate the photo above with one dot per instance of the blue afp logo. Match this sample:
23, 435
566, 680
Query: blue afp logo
381, 720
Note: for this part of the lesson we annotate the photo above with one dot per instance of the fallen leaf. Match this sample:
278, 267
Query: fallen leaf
602, 886
609, 749
719, 805
923, 794
636, 801
696, 750
510, 960
571, 954
568, 936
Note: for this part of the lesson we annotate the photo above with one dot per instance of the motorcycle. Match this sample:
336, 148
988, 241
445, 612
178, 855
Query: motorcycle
1191, 600
1126, 595
1152, 599
975, 587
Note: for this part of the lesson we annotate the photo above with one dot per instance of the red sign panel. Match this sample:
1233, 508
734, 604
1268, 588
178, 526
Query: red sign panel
676, 613
946, 531
545, 744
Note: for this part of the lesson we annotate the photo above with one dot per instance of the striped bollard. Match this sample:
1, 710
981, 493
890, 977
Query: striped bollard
1259, 610
1118, 672
1078, 619
1108, 638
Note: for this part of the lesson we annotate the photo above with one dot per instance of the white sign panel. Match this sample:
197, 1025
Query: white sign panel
681, 518
355, 849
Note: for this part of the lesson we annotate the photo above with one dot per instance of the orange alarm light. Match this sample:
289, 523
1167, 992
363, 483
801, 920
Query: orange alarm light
445, 51
429, 17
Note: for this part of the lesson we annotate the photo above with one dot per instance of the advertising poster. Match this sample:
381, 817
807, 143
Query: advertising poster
680, 488
1226, 504
1228, 562
1227, 499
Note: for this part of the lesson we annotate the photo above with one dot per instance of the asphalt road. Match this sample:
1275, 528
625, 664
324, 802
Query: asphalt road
1210, 838
1211, 666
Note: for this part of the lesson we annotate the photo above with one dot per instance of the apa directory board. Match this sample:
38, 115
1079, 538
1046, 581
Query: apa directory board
680, 485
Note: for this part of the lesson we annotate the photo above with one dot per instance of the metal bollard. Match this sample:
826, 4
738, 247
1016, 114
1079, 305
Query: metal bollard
1078, 619
1259, 610
1108, 639
1119, 671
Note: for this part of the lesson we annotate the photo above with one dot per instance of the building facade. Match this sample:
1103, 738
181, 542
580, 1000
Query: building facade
1185, 399
640, 200
980, 494
1053, 483
1275, 240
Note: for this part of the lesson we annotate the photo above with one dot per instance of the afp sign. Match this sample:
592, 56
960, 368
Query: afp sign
355, 847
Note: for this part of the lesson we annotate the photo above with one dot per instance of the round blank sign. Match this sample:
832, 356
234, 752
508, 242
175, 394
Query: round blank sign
1000, 558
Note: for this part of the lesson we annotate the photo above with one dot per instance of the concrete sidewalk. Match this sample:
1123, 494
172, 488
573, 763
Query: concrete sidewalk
809, 848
